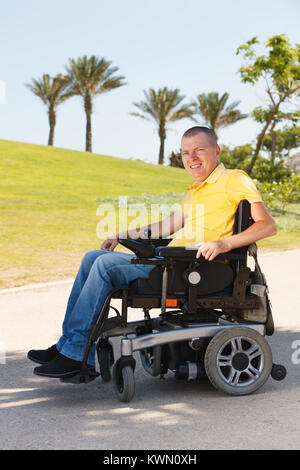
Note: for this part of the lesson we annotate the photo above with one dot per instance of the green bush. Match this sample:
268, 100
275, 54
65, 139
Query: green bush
280, 193
175, 159
236, 157
268, 172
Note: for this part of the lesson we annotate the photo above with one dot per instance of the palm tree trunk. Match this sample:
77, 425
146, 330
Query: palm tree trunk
52, 122
88, 135
88, 112
162, 137
161, 152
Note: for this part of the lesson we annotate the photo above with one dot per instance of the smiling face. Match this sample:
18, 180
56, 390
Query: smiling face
199, 156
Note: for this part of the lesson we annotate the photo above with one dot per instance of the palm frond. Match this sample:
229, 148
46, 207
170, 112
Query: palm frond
213, 110
51, 90
162, 105
142, 116
92, 75
230, 118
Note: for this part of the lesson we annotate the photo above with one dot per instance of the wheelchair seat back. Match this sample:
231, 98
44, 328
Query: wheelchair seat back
214, 275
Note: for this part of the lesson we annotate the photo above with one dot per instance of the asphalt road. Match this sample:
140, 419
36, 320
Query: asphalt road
39, 413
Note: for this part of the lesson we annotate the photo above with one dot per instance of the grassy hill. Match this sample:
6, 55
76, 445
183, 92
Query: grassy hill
48, 202
49, 199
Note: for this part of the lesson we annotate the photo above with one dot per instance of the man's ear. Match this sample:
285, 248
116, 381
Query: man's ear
218, 151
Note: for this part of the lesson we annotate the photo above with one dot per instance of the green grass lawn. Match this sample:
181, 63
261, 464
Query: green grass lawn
49, 199
48, 202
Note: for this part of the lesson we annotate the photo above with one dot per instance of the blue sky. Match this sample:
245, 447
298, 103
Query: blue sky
188, 45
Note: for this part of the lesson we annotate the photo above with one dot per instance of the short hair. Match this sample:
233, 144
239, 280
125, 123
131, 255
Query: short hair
204, 130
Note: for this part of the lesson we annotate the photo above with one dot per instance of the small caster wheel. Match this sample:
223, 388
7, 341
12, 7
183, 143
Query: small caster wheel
124, 384
278, 372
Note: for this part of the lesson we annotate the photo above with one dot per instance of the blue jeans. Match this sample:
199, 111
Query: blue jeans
100, 272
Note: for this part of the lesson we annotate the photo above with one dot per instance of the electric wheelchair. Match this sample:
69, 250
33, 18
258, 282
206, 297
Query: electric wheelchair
214, 316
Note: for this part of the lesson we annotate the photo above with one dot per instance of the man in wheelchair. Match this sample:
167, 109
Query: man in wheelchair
214, 310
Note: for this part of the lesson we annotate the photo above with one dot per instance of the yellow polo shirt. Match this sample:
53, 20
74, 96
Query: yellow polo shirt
209, 208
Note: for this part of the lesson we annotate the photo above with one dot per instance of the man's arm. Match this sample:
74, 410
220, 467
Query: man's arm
264, 226
161, 229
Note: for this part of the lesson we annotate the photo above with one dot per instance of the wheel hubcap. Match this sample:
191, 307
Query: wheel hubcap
240, 361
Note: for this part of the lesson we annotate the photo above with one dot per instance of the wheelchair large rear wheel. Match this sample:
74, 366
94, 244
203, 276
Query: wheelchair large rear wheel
238, 361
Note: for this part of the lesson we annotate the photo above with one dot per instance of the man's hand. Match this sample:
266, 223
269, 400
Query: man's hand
109, 244
211, 249
264, 226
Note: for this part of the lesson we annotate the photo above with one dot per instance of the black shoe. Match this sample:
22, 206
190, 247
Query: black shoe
42, 356
60, 367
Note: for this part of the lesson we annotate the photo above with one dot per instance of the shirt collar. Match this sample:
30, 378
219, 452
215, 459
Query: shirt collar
213, 177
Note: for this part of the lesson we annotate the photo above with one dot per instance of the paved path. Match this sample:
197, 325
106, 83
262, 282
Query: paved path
38, 413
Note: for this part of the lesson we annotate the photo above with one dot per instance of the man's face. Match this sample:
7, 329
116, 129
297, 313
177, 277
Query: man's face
199, 156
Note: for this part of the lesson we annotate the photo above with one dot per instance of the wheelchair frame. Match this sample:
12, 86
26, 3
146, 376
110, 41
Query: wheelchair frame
195, 341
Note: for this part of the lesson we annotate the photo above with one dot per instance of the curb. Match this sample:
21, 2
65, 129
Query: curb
41, 285
273, 253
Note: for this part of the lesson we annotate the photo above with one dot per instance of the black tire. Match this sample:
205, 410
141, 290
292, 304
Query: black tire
278, 372
238, 361
105, 363
124, 383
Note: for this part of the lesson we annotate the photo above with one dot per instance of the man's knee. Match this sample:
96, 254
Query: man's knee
107, 260
90, 257
111, 263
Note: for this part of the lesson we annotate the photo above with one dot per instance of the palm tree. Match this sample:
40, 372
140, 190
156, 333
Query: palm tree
214, 111
162, 106
89, 77
52, 91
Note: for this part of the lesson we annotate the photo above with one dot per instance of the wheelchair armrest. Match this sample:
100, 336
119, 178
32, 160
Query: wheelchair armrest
190, 253
144, 247
154, 241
